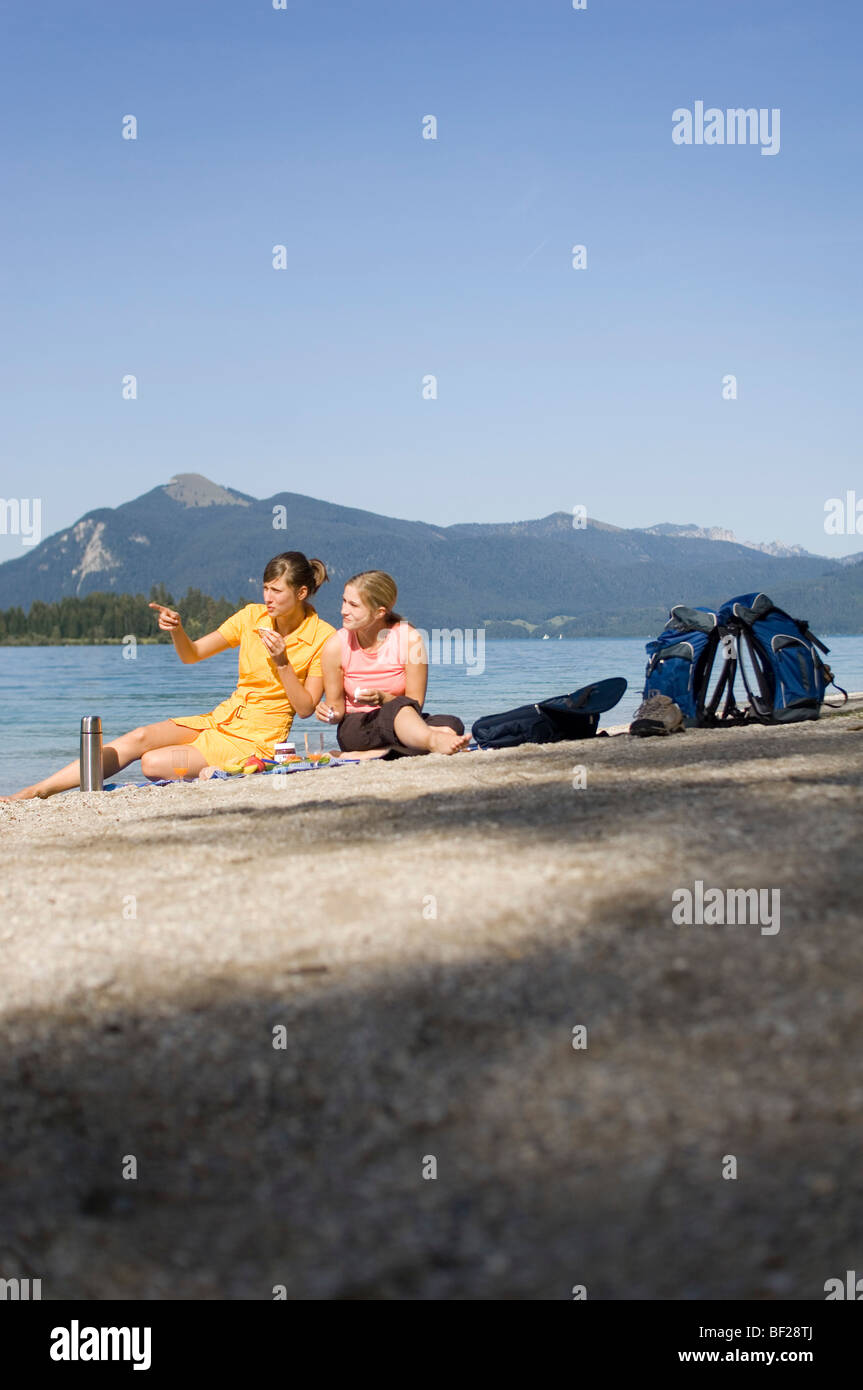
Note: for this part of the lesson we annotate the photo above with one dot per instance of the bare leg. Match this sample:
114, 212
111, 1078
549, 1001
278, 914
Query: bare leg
413, 732
159, 763
115, 755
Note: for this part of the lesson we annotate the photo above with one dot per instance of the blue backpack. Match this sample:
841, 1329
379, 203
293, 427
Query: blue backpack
681, 660
778, 659
777, 656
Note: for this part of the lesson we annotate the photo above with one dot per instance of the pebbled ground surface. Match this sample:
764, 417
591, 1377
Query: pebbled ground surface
427, 934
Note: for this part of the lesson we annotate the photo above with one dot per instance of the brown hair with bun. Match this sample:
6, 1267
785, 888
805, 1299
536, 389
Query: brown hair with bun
297, 571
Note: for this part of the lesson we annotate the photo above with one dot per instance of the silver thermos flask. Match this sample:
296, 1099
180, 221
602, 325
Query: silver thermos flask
91, 753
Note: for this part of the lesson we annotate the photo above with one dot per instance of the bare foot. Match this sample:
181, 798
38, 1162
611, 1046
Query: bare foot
26, 794
447, 741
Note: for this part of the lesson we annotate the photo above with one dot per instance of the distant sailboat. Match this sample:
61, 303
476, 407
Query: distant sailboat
545, 637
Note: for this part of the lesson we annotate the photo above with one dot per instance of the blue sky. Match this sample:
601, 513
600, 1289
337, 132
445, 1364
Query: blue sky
451, 257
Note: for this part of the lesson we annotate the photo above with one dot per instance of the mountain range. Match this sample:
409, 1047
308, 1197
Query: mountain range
515, 578
720, 533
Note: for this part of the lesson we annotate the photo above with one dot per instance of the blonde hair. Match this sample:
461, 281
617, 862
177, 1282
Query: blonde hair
377, 590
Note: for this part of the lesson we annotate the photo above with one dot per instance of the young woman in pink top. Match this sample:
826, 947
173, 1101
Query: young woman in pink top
375, 676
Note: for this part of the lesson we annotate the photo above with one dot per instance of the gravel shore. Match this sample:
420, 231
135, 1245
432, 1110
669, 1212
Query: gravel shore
429, 933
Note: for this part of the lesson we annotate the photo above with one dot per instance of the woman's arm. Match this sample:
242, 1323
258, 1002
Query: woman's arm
302, 697
417, 669
188, 651
332, 708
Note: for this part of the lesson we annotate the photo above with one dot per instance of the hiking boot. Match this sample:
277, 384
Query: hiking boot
657, 715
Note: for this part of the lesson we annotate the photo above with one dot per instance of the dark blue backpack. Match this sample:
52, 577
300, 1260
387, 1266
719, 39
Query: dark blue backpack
778, 659
681, 662
777, 656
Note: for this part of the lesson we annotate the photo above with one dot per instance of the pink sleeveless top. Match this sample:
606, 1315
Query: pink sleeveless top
385, 670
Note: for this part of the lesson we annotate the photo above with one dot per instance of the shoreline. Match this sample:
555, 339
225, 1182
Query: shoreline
525, 636
853, 705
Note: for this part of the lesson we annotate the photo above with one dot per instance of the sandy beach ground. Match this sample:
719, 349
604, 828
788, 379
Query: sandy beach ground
428, 933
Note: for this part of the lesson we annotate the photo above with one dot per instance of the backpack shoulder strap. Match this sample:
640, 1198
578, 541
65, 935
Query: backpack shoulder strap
830, 679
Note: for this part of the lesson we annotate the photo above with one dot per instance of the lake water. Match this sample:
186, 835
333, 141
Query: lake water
46, 690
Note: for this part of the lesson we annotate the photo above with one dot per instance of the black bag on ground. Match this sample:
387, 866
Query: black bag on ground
551, 721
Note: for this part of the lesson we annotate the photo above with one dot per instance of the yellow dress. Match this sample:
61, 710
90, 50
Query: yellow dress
258, 714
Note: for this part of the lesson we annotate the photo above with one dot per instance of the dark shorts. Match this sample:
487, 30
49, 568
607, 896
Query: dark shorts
359, 733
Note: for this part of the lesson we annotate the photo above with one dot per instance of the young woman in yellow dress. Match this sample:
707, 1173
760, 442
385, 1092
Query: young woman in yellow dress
280, 675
